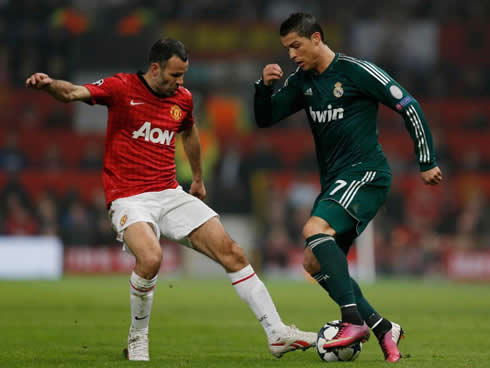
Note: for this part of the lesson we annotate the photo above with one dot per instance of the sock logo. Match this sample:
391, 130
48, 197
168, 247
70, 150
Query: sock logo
265, 321
140, 318
321, 277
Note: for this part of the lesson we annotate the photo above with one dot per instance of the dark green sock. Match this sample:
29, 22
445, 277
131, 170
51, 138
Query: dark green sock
334, 271
349, 314
367, 312
378, 324
365, 309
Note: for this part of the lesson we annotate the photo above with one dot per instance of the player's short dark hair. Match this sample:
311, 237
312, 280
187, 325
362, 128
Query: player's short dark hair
301, 23
164, 49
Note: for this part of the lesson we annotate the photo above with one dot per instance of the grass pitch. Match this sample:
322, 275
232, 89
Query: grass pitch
83, 322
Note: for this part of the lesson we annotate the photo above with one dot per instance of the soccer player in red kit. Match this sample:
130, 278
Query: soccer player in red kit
146, 112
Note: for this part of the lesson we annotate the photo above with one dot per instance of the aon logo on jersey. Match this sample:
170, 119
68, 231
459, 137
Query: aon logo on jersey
325, 116
155, 135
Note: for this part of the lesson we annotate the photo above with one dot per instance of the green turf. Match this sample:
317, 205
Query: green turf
83, 322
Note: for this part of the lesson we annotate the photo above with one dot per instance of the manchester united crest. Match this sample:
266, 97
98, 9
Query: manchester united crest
176, 112
123, 220
338, 91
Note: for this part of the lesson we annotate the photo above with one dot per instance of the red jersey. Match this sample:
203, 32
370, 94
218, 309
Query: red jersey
140, 139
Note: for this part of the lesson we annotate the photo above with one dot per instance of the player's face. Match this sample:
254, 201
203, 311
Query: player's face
171, 76
302, 50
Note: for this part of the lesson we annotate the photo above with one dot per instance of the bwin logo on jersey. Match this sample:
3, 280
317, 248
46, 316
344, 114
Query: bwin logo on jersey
327, 116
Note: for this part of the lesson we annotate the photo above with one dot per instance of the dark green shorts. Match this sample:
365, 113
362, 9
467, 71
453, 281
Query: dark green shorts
352, 200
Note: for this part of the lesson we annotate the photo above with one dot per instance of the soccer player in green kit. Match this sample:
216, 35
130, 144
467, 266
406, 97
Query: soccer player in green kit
340, 95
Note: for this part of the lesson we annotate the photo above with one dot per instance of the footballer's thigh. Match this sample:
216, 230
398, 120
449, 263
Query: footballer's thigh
352, 200
345, 208
140, 238
134, 221
212, 240
317, 225
189, 221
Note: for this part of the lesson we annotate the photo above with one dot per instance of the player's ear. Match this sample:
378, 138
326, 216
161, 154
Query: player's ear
316, 38
155, 68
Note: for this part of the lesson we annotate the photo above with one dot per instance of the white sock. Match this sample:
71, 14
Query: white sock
141, 299
253, 292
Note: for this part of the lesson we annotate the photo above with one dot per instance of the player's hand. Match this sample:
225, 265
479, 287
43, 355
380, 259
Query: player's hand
38, 81
432, 176
198, 190
271, 73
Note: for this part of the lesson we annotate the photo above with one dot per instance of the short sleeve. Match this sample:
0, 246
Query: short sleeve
105, 91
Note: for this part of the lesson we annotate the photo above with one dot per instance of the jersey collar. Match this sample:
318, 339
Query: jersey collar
143, 80
329, 67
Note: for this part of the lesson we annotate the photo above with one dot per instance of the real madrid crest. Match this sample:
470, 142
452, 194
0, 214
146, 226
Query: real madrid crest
338, 91
176, 112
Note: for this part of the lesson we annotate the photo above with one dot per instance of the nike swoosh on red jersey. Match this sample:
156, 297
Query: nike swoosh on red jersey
132, 103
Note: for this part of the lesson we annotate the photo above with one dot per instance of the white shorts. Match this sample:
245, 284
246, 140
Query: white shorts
172, 213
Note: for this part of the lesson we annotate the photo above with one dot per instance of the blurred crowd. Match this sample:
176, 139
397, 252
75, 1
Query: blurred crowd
438, 50
258, 10
403, 37
75, 221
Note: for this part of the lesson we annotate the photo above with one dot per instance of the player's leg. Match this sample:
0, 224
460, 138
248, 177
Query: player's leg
325, 261
366, 311
370, 196
348, 210
134, 225
140, 238
143, 243
212, 240
388, 333
379, 325
191, 222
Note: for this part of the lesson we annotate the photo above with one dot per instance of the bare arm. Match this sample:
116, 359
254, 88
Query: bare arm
192, 148
59, 89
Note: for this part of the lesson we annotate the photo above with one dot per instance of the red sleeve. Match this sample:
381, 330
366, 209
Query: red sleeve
105, 91
188, 121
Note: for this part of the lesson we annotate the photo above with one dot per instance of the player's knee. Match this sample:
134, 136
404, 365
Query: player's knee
314, 226
310, 229
310, 263
151, 261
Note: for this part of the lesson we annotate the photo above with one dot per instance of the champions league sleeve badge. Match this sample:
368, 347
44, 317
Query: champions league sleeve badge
338, 91
396, 92
98, 83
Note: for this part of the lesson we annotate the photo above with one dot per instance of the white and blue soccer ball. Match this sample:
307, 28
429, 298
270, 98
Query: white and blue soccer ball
328, 332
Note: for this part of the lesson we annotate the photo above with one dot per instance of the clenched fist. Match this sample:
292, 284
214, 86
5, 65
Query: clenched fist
432, 176
38, 81
271, 73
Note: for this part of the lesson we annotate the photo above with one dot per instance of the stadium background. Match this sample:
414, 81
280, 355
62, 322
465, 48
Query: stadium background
262, 182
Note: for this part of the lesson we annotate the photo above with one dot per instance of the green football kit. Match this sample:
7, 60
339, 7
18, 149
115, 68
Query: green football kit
341, 105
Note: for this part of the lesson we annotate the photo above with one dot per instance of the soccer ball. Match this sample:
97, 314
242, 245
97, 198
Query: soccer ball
328, 332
